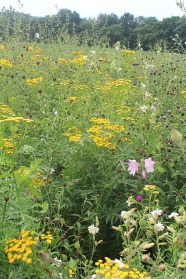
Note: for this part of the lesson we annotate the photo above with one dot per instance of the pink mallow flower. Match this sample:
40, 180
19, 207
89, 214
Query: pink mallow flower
133, 167
143, 175
149, 165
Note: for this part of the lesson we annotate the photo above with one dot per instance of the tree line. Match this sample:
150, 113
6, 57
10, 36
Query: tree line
132, 32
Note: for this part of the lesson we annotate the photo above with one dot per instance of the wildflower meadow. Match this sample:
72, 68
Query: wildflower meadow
92, 162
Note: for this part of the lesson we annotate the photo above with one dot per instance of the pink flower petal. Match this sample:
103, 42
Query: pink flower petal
133, 167
149, 165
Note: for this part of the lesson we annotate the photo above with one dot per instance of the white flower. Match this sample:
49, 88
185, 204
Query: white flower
173, 214
123, 214
147, 95
153, 107
93, 276
129, 203
37, 35
93, 230
156, 212
117, 48
121, 265
56, 262
143, 108
27, 148
52, 171
159, 227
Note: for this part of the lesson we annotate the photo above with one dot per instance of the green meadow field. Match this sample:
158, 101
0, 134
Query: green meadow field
92, 161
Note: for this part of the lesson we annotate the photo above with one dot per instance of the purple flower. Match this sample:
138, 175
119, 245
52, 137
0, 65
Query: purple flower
70, 70
164, 116
133, 167
169, 110
139, 198
149, 164
143, 175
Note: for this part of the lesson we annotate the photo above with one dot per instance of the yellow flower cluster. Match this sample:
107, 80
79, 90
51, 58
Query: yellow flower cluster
80, 60
38, 50
101, 137
118, 270
65, 82
81, 87
48, 237
123, 109
77, 52
7, 146
16, 119
73, 134
5, 62
31, 48
150, 188
102, 59
71, 273
34, 58
34, 80
36, 181
72, 99
128, 140
127, 51
116, 83
102, 132
5, 109
63, 61
20, 249
99, 120
2, 47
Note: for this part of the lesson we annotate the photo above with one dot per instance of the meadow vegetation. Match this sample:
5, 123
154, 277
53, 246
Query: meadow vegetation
92, 161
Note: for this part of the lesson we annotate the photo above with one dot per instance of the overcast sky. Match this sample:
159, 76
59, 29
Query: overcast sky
91, 8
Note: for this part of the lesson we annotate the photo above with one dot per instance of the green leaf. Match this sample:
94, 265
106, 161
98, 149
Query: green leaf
44, 207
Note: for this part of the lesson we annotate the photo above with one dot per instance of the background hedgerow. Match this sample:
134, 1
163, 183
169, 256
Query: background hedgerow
86, 133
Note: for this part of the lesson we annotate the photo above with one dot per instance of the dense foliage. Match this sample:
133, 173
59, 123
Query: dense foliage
133, 32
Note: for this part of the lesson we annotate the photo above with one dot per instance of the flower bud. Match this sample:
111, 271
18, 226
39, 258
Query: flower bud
163, 243
127, 234
163, 235
44, 256
6, 198
172, 230
146, 245
145, 258
162, 267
